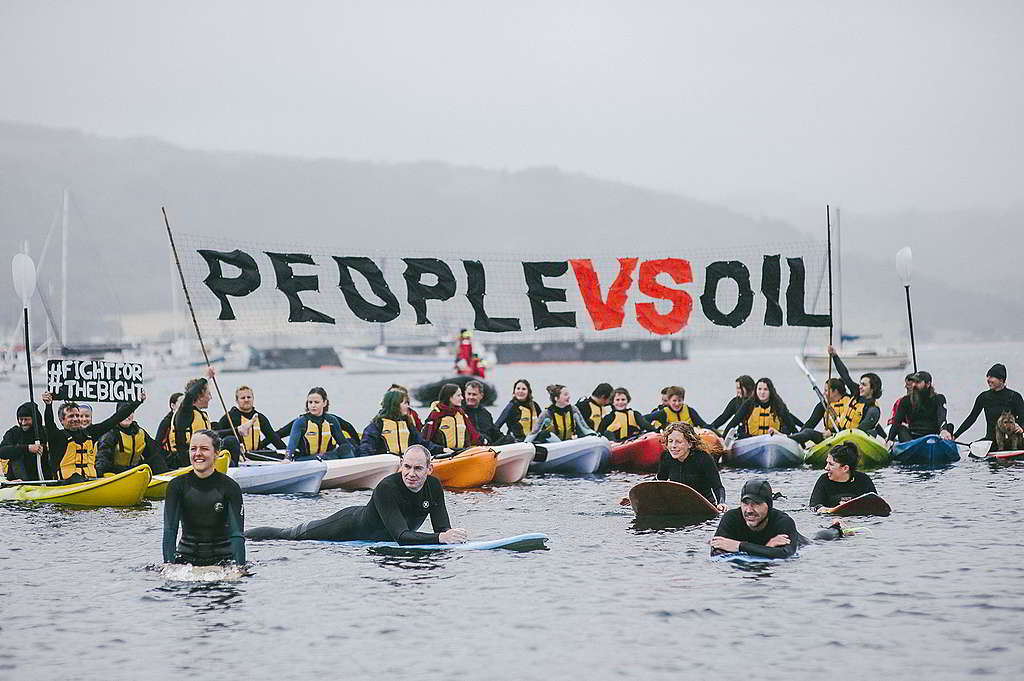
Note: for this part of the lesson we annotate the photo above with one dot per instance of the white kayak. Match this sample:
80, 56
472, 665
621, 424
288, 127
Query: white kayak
580, 456
279, 477
361, 472
514, 461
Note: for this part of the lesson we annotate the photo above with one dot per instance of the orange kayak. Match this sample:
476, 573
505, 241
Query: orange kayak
471, 468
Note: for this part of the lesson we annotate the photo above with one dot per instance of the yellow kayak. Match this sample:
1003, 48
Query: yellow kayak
157, 488
123, 489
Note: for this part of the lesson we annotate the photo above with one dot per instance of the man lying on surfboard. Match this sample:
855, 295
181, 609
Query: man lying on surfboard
399, 505
755, 527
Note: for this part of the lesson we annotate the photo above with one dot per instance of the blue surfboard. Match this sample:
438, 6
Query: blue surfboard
745, 558
520, 542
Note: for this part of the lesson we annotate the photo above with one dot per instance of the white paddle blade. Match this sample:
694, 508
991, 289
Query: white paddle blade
904, 264
23, 271
980, 448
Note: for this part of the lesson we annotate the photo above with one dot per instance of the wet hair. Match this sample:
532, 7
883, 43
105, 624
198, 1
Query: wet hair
876, 384
214, 438
174, 398
554, 390
421, 449
686, 429
529, 388
836, 385
675, 391
603, 391
399, 388
774, 401
622, 391
746, 384
845, 454
447, 390
475, 384
240, 389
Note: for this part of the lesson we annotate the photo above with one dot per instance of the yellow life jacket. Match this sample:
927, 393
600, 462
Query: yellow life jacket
562, 424
623, 424
849, 411
5, 465
670, 415
395, 434
597, 412
527, 418
251, 442
78, 458
130, 449
319, 438
200, 421
761, 420
453, 428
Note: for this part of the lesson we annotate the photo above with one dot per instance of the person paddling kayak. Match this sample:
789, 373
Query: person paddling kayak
398, 507
841, 480
521, 413
994, 401
622, 423
922, 412
207, 506
755, 527
561, 420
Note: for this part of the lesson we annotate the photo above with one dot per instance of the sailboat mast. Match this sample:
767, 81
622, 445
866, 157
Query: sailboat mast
839, 281
64, 270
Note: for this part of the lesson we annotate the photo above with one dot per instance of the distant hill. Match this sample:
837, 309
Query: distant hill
120, 256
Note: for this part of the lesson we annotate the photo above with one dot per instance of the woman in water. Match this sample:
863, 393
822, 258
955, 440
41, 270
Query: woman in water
521, 413
447, 425
317, 433
841, 480
622, 423
764, 414
560, 421
685, 461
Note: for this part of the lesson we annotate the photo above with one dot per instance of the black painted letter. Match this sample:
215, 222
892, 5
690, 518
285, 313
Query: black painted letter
361, 307
420, 293
540, 295
245, 283
715, 273
291, 285
476, 292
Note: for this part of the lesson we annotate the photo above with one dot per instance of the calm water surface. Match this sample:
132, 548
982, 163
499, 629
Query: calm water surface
934, 591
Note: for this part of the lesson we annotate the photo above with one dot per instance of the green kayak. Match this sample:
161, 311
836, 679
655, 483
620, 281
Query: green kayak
872, 450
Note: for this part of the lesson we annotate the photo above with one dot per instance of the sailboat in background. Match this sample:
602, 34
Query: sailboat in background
865, 352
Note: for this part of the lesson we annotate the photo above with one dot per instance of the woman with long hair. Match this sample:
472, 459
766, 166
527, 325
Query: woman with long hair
392, 430
764, 413
521, 413
318, 433
447, 425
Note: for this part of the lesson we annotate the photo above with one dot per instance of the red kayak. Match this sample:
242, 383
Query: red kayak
1007, 456
639, 454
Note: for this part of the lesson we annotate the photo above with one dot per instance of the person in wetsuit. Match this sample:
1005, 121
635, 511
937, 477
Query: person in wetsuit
521, 413
447, 424
560, 421
479, 416
744, 391
764, 414
921, 413
755, 527
993, 402
595, 407
22, 446
72, 450
685, 461
207, 505
841, 480
252, 426
622, 423
127, 446
320, 434
399, 505
857, 410
392, 430
675, 409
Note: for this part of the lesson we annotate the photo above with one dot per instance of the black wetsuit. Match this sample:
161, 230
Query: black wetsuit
733, 526
993, 403
211, 516
14, 448
928, 417
727, 413
394, 513
698, 471
830, 494
163, 433
484, 424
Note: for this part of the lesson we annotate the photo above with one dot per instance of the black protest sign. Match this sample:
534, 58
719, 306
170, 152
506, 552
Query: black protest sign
94, 380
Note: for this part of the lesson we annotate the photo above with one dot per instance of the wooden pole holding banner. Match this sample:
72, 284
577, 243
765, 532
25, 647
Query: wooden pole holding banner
828, 238
23, 271
199, 334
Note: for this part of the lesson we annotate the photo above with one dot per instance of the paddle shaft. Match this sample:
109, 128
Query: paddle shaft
31, 394
10, 483
195, 323
910, 320
821, 396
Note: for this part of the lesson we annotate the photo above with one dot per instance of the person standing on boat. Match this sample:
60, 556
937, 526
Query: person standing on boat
923, 412
595, 407
72, 450
253, 427
479, 416
127, 446
755, 527
841, 480
622, 423
207, 506
447, 424
320, 434
521, 413
675, 410
560, 421
993, 402
392, 430
686, 462
399, 505
744, 391
22, 445
764, 414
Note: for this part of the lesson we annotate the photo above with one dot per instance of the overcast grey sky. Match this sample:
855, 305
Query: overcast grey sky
880, 106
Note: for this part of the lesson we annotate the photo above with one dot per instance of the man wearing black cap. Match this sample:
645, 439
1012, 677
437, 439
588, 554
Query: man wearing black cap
755, 527
128, 446
922, 412
595, 407
21, 448
994, 401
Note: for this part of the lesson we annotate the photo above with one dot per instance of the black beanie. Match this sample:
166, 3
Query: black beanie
27, 409
997, 371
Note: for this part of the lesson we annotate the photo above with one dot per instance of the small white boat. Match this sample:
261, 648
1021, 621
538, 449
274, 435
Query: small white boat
279, 477
361, 472
381, 360
862, 360
514, 461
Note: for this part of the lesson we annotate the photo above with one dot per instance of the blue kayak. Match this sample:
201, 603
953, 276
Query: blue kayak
764, 451
744, 558
930, 450
520, 542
